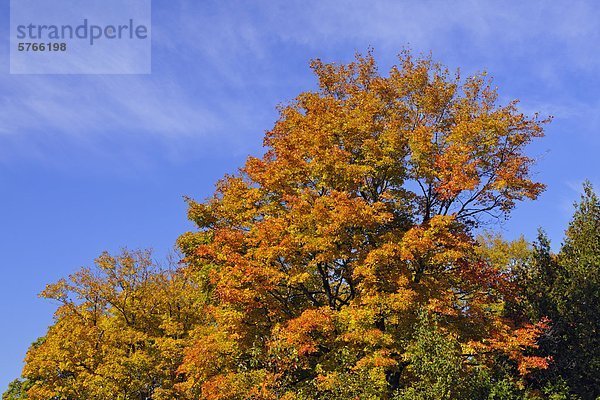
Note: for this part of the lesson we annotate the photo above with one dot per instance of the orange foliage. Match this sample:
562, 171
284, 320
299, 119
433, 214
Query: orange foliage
312, 264
358, 216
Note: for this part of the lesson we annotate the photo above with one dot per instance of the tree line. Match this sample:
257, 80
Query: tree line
350, 261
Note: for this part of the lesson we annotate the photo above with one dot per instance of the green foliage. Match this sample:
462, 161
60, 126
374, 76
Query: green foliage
17, 390
439, 370
435, 364
559, 390
566, 289
540, 278
576, 296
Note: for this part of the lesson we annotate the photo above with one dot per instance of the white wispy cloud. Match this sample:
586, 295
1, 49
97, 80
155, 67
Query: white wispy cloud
220, 67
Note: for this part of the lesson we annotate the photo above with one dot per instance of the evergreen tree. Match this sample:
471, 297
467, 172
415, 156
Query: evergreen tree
576, 295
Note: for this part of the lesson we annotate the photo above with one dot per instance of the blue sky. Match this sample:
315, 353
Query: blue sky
99, 162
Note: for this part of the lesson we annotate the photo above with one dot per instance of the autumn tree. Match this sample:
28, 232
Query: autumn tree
340, 265
359, 217
119, 332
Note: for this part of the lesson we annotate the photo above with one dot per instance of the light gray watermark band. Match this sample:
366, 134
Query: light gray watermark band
80, 37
